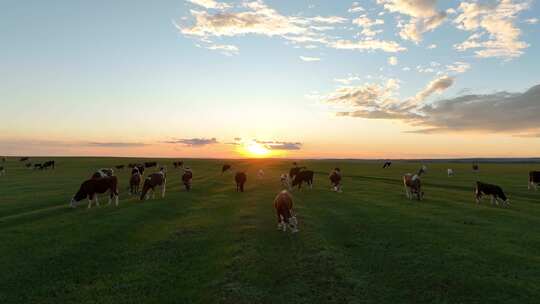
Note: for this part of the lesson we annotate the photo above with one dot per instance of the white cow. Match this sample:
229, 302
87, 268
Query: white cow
450, 172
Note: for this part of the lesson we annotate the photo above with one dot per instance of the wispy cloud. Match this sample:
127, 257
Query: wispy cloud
281, 145
116, 144
310, 59
210, 4
194, 142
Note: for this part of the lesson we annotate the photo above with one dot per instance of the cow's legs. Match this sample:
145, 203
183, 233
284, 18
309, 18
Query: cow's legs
279, 224
494, 200
90, 199
163, 187
96, 200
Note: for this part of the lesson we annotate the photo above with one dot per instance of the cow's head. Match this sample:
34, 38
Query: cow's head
80, 195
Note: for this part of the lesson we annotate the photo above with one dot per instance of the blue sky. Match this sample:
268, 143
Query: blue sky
147, 72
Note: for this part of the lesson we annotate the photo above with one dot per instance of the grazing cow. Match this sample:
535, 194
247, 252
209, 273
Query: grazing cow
119, 167
225, 168
283, 204
335, 180
294, 171
38, 166
240, 178
187, 177
49, 163
150, 164
303, 176
2, 170
94, 186
152, 181
103, 172
178, 164
534, 179
387, 164
450, 172
285, 181
495, 191
413, 185
134, 181
475, 167
24, 159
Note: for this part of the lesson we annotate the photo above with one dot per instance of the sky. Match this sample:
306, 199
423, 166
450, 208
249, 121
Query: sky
254, 78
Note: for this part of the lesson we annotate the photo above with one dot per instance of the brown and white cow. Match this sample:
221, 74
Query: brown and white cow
91, 188
413, 184
285, 181
152, 181
335, 180
134, 181
283, 203
187, 177
494, 191
240, 178
534, 180
301, 177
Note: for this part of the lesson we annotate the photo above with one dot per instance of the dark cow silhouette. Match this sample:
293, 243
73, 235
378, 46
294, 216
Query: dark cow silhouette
335, 179
534, 180
90, 188
119, 167
134, 181
495, 191
150, 164
49, 163
475, 167
240, 179
301, 177
178, 164
283, 203
152, 181
38, 166
387, 164
24, 159
225, 168
187, 177
3, 159
2, 170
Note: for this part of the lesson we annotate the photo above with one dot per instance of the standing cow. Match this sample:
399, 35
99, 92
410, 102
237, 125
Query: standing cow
285, 181
450, 172
335, 180
134, 181
94, 186
283, 204
2, 170
301, 177
187, 177
495, 191
49, 163
413, 184
152, 181
534, 180
387, 164
240, 178
225, 168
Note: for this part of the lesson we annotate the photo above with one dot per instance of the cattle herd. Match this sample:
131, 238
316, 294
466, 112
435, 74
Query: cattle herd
105, 181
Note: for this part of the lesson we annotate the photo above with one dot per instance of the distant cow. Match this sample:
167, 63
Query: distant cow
225, 168
49, 163
294, 171
178, 164
283, 204
119, 167
3, 159
103, 172
495, 191
413, 184
475, 167
285, 181
387, 164
450, 172
260, 174
187, 177
240, 178
301, 177
152, 181
92, 187
134, 181
335, 180
24, 159
2, 170
150, 164
38, 166
534, 179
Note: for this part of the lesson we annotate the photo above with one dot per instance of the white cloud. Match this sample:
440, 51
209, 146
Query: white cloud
310, 59
210, 4
458, 67
367, 24
225, 49
392, 60
531, 21
432, 46
368, 44
494, 31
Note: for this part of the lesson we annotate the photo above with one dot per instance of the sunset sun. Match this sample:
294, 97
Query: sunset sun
256, 149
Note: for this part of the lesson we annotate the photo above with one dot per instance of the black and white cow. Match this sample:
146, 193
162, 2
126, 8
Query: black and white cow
178, 164
103, 172
91, 188
387, 164
240, 178
134, 181
335, 180
158, 179
187, 177
495, 191
301, 177
38, 167
534, 179
49, 163
295, 170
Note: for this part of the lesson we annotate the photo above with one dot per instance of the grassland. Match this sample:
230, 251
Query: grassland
213, 245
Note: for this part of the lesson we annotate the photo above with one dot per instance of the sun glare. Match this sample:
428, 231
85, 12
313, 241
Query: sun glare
256, 149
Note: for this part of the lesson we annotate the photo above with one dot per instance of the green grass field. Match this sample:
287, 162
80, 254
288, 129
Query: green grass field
368, 244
